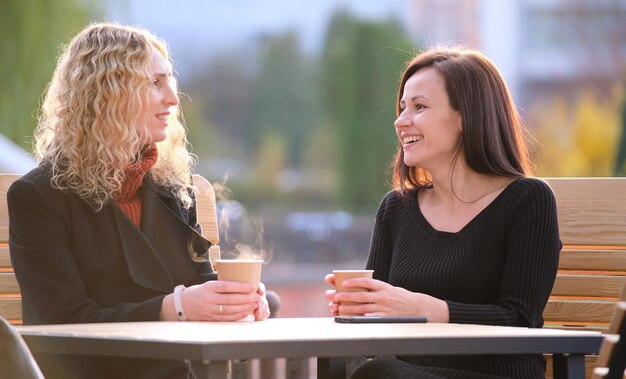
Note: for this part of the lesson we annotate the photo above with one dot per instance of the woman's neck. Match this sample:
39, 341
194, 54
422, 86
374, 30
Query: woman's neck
463, 186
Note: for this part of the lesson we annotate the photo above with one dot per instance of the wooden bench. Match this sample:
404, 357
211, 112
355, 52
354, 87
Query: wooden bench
592, 268
10, 299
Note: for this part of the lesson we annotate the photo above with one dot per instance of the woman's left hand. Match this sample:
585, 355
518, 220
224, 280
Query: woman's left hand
263, 310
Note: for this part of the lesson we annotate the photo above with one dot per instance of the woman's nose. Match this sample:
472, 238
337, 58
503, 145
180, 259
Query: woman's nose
171, 98
401, 121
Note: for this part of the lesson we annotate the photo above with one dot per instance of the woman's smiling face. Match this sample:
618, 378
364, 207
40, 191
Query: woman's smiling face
161, 96
428, 128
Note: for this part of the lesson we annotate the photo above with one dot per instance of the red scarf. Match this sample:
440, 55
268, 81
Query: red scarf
128, 200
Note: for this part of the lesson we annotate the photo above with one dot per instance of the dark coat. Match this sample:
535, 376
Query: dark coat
75, 264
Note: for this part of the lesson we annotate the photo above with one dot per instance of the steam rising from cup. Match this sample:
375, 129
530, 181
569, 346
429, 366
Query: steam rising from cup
242, 235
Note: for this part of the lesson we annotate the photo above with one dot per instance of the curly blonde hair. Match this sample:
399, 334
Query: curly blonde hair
89, 130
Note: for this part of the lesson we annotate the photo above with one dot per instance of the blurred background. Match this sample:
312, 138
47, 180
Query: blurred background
290, 105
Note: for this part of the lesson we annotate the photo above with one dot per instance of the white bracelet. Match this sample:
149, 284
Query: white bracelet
178, 302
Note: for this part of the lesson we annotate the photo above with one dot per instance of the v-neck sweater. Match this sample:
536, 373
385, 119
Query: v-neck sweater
498, 269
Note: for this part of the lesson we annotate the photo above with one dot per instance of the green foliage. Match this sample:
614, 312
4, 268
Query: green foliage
271, 159
202, 134
217, 106
284, 96
31, 33
361, 65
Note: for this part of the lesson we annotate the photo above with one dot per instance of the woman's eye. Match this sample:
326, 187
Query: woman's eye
419, 107
157, 83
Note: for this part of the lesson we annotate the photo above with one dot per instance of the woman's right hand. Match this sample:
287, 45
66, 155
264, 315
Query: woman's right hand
217, 300
333, 307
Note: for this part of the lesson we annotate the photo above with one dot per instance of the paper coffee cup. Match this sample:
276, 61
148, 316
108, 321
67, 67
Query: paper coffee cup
341, 275
240, 270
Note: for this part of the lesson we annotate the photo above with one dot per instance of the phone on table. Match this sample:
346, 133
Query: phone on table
381, 319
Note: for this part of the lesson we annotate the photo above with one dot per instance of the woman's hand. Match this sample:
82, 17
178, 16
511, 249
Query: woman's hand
383, 299
219, 300
263, 309
333, 306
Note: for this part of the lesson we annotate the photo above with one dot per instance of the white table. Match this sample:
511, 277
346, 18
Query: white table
210, 345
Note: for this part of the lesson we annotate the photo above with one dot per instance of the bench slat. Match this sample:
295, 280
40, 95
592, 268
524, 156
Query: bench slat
588, 285
5, 183
11, 308
5, 259
606, 188
8, 284
599, 223
618, 318
591, 210
578, 311
599, 260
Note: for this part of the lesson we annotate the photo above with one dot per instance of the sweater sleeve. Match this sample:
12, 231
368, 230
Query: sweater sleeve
531, 261
379, 258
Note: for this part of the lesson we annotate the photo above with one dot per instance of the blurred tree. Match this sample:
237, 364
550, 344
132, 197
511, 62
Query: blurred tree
620, 161
320, 161
271, 159
285, 97
550, 126
360, 69
580, 141
204, 137
31, 33
219, 92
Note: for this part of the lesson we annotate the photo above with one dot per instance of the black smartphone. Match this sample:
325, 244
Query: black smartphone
383, 319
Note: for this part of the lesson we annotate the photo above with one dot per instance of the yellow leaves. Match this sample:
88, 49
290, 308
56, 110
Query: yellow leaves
576, 139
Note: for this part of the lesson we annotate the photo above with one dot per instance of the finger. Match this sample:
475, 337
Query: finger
262, 312
333, 308
224, 286
330, 295
216, 316
261, 290
368, 283
230, 309
357, 309
236, 298
330, 279
356, 297
235, 316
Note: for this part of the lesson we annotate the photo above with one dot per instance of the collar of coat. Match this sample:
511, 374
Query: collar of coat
159, 255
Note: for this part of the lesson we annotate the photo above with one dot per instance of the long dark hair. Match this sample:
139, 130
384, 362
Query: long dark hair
492, 141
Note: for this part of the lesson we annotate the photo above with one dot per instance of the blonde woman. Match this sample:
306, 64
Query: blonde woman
103, 230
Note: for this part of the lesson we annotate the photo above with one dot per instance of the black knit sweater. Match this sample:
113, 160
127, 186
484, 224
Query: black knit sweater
498, 270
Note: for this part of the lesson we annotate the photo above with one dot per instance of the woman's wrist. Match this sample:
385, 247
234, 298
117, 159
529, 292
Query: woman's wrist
168, 313
439, 312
